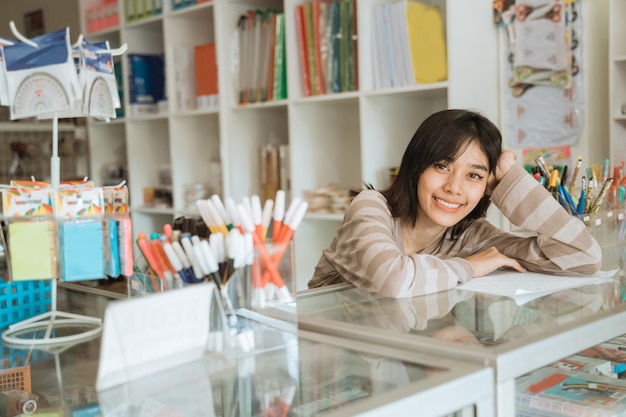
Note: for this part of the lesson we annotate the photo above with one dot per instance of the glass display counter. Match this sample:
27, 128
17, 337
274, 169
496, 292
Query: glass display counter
306, 374
473, 327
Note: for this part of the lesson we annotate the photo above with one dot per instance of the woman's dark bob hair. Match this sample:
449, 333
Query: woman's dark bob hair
442, 137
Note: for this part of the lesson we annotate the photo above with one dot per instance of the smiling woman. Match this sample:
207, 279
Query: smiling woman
427, 232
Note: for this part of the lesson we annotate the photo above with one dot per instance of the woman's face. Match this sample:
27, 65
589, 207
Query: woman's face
447, 192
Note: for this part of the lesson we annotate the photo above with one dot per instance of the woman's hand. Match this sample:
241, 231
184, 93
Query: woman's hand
506, 160
490, 259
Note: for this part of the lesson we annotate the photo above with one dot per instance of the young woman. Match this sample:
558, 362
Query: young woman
427, 232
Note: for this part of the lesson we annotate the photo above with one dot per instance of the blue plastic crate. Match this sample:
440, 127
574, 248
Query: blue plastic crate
11, 357
21, 300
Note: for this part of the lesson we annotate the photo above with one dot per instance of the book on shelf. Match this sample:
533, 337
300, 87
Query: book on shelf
184, 76
408, 44
284, 161
265, 55
260, 62
427, 41
335, 47
327, 46
355, 49
271, 55
270, 170
274, 163
303, 50
324, 39
280, 60
146, 75
256, 51
345, 42
316, 23
247, 67
205, 63
309, 30
551, 391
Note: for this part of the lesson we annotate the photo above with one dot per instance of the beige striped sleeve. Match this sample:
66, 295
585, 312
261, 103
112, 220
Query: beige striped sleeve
562, 243
367, 252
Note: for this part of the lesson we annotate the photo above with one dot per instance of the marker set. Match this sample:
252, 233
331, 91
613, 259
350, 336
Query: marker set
594, 196
64, 233
597, 188
247, 253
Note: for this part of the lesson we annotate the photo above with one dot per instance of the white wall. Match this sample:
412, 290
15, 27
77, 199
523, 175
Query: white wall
58, 14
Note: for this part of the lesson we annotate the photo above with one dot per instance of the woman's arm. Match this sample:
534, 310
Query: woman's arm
366, 253
562, 245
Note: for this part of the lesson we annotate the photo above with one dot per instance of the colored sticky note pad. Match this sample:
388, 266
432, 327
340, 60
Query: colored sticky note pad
125, 239
112, 251
81, 250
32, 249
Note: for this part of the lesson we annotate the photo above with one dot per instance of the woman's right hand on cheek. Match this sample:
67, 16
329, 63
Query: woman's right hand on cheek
506, 160
490, 259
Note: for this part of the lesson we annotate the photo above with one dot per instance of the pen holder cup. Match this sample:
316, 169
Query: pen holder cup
608, 227
262, 292
145, 282
272, 276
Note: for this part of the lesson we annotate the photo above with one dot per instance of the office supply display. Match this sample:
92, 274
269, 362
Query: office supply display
553, 391
43, 82
590, 364
248, 254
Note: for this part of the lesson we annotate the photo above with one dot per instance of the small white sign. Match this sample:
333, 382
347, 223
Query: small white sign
147, 335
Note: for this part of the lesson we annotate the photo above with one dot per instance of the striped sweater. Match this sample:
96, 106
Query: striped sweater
367, 250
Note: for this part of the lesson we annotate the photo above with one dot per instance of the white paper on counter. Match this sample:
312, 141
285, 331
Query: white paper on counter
526, 286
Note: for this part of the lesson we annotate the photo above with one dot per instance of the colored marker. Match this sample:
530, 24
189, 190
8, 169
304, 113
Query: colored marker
279, 213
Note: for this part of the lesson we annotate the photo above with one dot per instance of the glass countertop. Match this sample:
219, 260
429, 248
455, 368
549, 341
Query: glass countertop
305, 375
480, 327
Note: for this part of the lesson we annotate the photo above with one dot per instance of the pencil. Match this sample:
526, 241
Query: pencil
572, 183
600, 198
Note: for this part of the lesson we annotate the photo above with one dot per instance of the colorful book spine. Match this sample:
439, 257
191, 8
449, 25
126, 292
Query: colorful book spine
302, 46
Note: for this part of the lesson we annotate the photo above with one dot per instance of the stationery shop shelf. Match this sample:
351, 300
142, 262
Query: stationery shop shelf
343, 136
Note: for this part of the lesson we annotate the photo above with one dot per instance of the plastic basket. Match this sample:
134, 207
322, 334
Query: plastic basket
21, 300
15, 378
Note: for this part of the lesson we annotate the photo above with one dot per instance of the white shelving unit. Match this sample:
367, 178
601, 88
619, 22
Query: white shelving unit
617, 80
342, 138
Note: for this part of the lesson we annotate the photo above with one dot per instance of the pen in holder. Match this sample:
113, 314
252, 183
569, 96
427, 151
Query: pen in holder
272, 278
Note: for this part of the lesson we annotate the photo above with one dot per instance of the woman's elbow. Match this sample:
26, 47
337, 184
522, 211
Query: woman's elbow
588, 269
